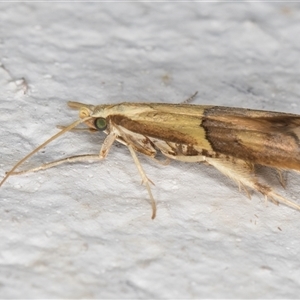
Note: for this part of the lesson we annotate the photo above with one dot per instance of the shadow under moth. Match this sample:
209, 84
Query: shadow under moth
233, 140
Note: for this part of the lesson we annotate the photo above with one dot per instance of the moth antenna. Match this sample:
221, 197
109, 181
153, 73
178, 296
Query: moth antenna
78, 129
68, 128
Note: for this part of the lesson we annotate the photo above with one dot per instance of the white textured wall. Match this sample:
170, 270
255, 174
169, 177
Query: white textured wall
84, 230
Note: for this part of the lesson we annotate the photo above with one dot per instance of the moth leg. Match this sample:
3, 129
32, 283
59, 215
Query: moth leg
145, 179
281, 178
107, 143
71, 159
243, 188
242, 173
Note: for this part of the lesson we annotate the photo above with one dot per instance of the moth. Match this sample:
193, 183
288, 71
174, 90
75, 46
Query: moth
233, 140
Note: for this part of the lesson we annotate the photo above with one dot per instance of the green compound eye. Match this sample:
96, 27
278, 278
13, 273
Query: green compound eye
100, 124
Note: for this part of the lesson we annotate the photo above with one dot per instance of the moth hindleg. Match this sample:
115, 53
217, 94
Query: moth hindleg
243, 174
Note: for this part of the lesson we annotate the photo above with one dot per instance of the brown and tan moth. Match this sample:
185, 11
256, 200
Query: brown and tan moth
233, 140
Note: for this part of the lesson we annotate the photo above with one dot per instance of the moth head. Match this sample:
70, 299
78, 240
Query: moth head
92, 114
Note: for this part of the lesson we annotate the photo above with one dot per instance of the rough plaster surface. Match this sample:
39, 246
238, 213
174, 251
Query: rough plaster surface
84, 230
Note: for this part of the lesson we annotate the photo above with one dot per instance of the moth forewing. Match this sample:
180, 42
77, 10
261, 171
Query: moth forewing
233, 140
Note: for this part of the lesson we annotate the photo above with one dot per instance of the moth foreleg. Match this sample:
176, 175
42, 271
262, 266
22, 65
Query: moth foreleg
107, 143
243, 174
145, 179
71, 159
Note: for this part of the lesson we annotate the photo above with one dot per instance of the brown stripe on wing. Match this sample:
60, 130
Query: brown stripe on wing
266, 138
150, 129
